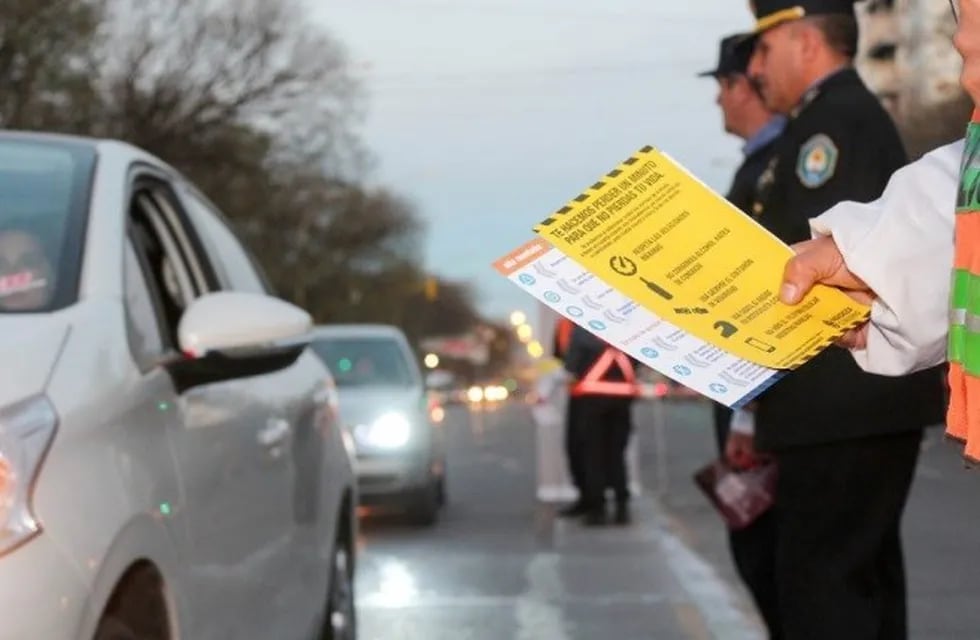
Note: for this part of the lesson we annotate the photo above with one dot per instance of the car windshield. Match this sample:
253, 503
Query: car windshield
44, 189
365, 362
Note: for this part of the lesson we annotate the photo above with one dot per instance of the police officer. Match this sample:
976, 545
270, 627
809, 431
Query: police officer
574, 439
746, 116
603, 387
846, 441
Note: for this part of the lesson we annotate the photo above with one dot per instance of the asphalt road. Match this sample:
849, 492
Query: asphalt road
500, 565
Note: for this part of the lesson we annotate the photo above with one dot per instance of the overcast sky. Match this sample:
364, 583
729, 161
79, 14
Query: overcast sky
490, 114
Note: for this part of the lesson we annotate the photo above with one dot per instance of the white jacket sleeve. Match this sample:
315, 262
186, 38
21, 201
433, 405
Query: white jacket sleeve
902, 246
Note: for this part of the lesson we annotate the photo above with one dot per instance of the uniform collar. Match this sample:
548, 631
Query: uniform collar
834, 77
764, 136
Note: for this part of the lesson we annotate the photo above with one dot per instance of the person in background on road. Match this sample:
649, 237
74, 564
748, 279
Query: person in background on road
603, 386
846, 442
746, 116
574, 439
899, 251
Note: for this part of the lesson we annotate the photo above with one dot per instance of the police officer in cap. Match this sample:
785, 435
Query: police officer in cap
746, 116
846, 442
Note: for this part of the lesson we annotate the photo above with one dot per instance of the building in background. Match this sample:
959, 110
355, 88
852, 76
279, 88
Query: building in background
906, 56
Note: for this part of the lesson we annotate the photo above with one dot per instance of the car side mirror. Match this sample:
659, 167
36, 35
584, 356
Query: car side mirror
230, 335
230, 322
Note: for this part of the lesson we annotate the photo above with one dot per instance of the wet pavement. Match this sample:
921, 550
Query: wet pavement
500, 565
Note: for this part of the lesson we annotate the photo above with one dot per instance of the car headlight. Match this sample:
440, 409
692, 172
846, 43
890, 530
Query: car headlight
26, 430
390, 431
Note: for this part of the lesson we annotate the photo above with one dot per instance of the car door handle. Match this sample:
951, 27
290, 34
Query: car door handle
275, 433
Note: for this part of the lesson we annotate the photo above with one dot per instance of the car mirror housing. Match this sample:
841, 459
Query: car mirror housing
231, 335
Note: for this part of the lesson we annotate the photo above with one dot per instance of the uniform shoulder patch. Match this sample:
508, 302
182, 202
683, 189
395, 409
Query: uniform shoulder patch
817, 162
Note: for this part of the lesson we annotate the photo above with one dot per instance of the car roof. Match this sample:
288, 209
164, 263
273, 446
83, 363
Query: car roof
45, 136
377, 331
103, 146
358, 331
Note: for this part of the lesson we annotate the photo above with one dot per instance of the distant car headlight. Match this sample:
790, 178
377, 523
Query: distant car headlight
390, 431
26, 431
475, 394
495, 393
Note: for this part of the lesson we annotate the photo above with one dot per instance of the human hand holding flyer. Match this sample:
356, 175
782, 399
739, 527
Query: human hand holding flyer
658, 265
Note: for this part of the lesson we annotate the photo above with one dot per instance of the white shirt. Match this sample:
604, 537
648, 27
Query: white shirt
902, 246
743, 421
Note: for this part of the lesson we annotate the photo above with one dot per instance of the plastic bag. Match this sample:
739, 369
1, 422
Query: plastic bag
739, 495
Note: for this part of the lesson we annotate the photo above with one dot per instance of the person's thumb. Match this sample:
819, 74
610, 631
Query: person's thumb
808, 267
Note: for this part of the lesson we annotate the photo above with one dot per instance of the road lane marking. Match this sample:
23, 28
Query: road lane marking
537, 614
716, 602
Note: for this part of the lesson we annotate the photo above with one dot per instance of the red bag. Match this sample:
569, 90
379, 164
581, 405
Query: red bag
740, 496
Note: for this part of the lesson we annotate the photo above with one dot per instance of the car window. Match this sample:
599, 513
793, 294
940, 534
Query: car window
44, 191
176, 268
143, 324
365, 362
234, 265
190, 252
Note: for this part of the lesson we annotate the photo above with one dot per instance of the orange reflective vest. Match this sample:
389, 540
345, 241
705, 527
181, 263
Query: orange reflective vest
963, 418
595, 382
563, 336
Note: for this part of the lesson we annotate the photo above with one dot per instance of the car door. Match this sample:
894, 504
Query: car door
231, 452
295, 399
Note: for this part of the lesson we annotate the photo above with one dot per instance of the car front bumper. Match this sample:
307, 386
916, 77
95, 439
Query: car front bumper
383, 477
43, 593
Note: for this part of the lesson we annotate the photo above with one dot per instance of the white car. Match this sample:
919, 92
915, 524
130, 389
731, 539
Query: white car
171, 464
401, 446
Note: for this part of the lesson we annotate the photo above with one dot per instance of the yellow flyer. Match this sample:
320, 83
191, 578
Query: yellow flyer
661, 237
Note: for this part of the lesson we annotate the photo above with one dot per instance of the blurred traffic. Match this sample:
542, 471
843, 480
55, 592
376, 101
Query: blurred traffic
396, 428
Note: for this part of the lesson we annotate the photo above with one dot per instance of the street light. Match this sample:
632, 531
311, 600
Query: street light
524, 332
431, 360
518, 318
535, 350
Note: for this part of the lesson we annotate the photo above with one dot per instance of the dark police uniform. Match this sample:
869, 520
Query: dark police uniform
846, 441
751, 547
733, 59
604, 422
574, 439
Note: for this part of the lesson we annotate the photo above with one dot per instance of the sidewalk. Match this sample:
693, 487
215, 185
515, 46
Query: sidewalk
939, 526
649, 562
675, 438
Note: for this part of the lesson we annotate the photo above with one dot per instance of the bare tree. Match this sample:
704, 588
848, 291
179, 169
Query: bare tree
46, 62
255, 105
180, 76
346, 253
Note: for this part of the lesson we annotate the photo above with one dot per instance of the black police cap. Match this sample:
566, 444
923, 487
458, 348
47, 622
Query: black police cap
772, 13
733, 57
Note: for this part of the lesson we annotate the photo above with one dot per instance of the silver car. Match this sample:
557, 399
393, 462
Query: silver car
171, 464
401, 446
